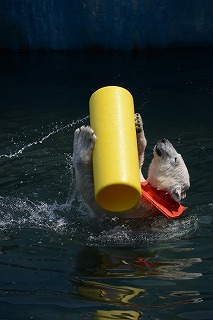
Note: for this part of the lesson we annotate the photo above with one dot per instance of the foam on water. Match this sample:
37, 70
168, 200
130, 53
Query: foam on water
72, 219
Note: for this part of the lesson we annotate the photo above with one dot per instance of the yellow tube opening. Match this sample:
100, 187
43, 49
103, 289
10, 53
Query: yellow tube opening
118, 197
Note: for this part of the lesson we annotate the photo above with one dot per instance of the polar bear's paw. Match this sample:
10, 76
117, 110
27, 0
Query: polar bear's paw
138, 123
141, 140
84, 140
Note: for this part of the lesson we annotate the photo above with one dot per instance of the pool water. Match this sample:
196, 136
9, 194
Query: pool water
56, 261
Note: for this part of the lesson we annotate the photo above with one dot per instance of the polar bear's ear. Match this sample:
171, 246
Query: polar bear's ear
176, 193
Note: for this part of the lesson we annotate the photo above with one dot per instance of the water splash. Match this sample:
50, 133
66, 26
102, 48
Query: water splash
20, 213
71, 219
41, 140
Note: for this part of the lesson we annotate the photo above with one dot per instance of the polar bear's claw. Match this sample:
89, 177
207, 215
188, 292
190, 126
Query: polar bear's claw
85, 136
138, 123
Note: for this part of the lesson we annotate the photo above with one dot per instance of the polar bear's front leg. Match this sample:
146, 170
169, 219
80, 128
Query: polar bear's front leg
141, 142
84, 140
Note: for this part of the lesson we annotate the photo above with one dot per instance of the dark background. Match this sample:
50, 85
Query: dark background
112, 24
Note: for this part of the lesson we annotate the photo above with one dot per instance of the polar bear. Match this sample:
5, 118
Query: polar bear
167, 171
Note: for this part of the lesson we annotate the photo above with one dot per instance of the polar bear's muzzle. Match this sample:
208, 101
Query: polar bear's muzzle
164, 148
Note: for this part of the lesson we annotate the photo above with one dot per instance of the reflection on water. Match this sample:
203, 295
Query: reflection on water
90, 262
117, 314
97, 291
95, 269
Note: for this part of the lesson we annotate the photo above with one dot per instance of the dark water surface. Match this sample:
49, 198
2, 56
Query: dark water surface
58, 263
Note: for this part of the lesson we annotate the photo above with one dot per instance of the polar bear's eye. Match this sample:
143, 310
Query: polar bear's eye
175, 159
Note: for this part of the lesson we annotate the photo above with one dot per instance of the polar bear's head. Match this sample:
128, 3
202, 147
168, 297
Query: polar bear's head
168, 171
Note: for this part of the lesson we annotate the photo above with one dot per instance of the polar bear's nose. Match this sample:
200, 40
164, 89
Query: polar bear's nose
164, 140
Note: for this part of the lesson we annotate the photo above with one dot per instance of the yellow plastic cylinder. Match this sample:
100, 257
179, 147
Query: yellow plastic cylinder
115, 157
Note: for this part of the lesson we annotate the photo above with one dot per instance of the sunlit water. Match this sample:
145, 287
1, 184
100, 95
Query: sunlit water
56, 261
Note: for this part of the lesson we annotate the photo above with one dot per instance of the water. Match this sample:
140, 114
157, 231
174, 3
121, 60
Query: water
58, 263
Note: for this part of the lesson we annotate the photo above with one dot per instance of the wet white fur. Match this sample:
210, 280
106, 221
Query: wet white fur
167, 170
